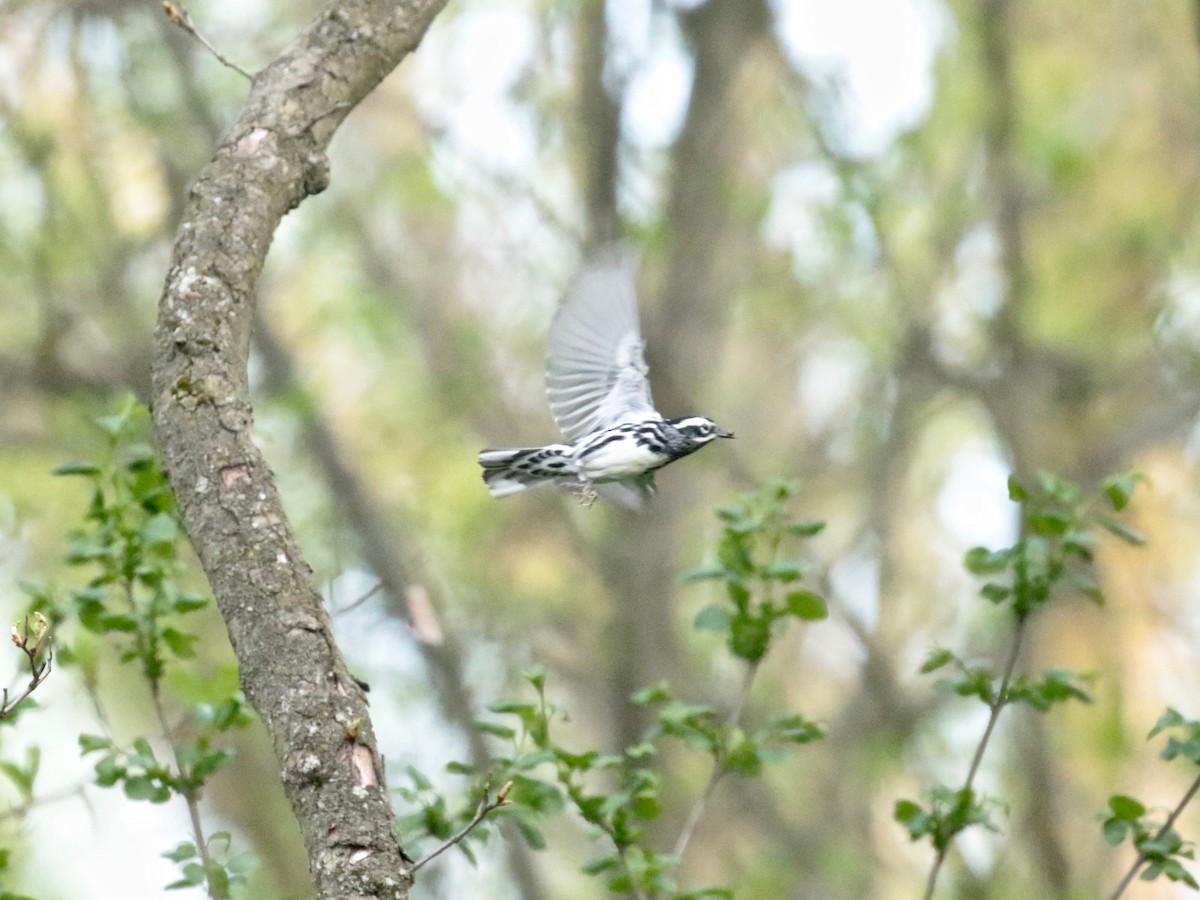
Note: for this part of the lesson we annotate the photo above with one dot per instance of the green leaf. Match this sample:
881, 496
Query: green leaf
1125, 807
705, 573
512, 707
183, 851
109, 771
187, 603
1119, 489
1188, 749
1114, 831
1169, 719
738, 592
141, 788
242, 863
536, 676
713, 618
193, 875
532, 834
1121, 530
806, 605
793, 728
1049, 524
418, 778
160, 531
916, 821
90, 743
180, 643
730, 512
126, 623
804, 529
783, 570
76, 468
21, 779
211, 762
535, 794
742, 756
659, 692
495, 728
1016, 490
748, 637
707, 893
733, 554
533, 759
601, 864
982, 561
1086, 586
938, 658
1057, 488
645, 806
995, 593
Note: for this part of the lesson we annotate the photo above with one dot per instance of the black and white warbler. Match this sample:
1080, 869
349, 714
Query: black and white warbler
600, 399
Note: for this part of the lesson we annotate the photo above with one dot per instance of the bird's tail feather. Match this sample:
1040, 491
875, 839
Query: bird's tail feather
507, 472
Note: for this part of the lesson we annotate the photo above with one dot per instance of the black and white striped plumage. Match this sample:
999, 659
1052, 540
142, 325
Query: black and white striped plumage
600, 398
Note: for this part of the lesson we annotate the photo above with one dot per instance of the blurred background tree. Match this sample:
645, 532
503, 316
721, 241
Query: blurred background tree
902, 249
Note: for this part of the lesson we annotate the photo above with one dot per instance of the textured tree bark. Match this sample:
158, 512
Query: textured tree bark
290, 668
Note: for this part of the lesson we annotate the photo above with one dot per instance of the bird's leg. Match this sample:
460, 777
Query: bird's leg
587, 494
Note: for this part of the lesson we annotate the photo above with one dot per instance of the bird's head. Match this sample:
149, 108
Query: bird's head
699, 429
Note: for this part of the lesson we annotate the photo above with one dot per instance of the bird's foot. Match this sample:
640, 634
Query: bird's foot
587, 495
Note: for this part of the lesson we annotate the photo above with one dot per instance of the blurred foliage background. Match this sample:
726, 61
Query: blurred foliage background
902, 249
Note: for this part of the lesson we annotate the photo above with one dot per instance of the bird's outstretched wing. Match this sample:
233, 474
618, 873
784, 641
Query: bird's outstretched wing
595, 369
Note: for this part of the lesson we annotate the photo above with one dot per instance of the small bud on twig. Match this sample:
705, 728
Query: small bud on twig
179, 17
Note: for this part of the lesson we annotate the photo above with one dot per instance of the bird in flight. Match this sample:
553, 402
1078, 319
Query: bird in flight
600, 399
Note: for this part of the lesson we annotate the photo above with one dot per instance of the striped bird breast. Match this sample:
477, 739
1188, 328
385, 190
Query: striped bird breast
624, 451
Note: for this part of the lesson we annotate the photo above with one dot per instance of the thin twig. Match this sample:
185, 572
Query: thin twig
1141, 860
179, 16
18, 811
189, 796
355, 604
32, 644
718, 770
485, 807
1000, 702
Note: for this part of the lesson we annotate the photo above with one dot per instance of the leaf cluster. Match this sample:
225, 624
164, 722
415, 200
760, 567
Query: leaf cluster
1160, 848
618, 794
1060, 530
733, 749
215, 867
762, 589
130, 538
1059, 535
1053, 686
946, 813
143, 776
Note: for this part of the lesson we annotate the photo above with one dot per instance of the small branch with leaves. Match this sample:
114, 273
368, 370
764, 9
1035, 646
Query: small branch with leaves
618, 794
33, 640
130, 541
1053, 555
1160, 848
486, 806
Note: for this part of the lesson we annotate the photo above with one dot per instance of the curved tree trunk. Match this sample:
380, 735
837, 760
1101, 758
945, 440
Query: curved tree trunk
291, 670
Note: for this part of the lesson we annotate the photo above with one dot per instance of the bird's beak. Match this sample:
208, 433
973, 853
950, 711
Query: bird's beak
725, 434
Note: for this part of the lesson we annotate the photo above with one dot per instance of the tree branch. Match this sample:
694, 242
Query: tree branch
290, 669
1166, 826
485, 807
